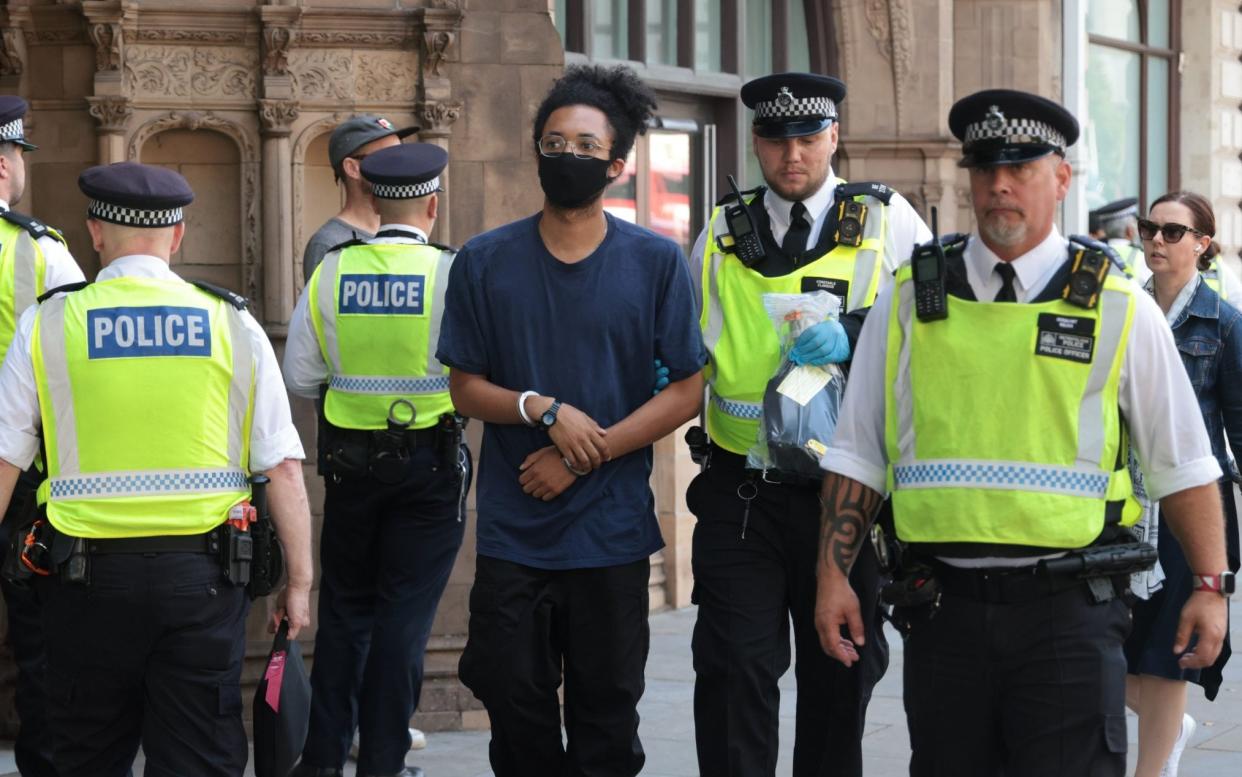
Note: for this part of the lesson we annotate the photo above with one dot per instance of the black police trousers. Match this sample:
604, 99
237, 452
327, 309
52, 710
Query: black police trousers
529, 629
150, 652
748, 589
33, 748
1028, 689
385, 556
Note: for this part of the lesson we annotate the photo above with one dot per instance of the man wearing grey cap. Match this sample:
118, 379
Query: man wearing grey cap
351, 142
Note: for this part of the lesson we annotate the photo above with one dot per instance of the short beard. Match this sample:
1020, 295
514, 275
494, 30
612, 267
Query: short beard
802, 194
1001, 233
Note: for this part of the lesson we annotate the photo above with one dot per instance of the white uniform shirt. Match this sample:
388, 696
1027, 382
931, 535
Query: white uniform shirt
272, 435
902, 232
59, 267
1155, 395
305, 368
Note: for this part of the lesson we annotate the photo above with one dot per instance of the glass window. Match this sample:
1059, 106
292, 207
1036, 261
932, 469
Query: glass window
799, 51
707, 35
621, 197
758, 37
1113, 128
662, 32
670, 186
1158, 23
559, 18
1158, 109
1114, 18
611, 30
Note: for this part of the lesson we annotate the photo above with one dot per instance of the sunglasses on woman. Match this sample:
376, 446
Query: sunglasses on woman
1172, 232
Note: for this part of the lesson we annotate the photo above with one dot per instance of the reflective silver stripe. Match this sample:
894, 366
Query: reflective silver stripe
434, 367
1113, 308
51, 324
240, 385
387, 384
147, 482
1002, 476
24, 280
327, 307
867, 260
715, 312
748, 410
902, 388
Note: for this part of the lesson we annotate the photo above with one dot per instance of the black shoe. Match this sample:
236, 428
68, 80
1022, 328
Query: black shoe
306, 770
409, 771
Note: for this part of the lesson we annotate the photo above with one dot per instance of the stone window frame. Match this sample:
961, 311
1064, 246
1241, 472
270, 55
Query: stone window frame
1173, 56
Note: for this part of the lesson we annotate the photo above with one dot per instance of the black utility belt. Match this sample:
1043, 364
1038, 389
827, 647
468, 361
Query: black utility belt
208, 543
1002, 586
382, 439
383, 453
730, 464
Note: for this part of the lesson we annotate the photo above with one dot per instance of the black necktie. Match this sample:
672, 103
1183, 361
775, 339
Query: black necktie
794, 243
1006, 293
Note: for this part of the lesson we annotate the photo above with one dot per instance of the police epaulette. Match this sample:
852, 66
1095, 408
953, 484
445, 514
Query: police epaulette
442, 247
871, 188
231, 297
758, 191
355, 241
1091, 244
36, 228
63, 288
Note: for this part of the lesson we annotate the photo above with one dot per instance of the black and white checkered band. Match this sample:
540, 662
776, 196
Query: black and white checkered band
134, 217
786, 106
387, 191
1015, 132
12, 131
1117, 215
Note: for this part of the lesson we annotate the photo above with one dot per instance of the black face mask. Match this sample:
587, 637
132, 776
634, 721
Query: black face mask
570, 182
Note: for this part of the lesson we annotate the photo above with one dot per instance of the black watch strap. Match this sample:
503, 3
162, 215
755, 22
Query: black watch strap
549, 416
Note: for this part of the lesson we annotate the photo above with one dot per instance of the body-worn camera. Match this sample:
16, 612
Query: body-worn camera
851, 216
1086, 278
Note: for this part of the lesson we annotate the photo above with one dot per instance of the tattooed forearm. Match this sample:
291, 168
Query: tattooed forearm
849, 509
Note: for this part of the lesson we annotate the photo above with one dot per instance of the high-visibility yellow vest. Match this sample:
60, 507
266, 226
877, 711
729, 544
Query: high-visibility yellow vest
1129, 255
22, 270
740, 338
376, 310
146, 390
1002, 421
1212, 276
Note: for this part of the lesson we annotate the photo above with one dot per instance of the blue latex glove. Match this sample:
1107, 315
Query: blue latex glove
824, 343
661, 377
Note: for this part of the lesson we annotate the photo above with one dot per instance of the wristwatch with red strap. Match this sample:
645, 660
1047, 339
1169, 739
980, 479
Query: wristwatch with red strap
1224, 584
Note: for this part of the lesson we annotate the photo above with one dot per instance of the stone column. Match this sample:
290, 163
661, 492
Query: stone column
436, 110
109, 22
113, 113
435, 118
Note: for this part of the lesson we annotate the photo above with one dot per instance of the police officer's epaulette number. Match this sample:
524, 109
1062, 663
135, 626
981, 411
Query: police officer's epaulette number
870, 188
231, 297
758, 191
1065, 337
36, 228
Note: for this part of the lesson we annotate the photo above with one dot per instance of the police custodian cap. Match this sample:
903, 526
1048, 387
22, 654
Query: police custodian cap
791, 105
1006, 127
135, 195
406, 171
1118, 209
12, 110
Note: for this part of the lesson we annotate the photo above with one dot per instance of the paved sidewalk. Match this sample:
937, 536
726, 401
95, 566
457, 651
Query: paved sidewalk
667, 727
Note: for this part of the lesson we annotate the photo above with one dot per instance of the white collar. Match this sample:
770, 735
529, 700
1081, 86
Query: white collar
415, 232
1032, 270
816, 204
137, 266
4, 205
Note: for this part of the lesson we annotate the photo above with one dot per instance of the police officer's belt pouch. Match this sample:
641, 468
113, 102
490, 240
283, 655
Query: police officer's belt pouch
801, 402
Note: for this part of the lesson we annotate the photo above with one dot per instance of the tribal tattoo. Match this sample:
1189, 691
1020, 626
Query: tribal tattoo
849, 509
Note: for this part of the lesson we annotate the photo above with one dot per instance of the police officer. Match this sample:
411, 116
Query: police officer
754, 557
154, 401
1000, 421
394, 464
33, 258
1116, 223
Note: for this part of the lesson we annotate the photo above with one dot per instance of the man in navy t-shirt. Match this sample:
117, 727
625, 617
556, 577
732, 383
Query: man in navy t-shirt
551, 324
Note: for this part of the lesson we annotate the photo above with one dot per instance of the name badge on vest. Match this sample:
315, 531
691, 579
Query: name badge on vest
834, 286
148, 331
385, 295
1066, 337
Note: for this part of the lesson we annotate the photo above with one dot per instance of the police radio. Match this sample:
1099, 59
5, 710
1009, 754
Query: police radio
746, 243
851, 216
1086, 277
931, 301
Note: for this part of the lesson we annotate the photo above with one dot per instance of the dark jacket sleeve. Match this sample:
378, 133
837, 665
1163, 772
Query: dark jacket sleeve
852, 322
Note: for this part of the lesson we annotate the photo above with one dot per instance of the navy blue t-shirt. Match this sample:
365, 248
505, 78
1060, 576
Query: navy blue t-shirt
585, 333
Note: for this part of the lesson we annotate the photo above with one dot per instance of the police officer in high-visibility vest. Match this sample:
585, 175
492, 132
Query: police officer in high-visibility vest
1116, 223
33, 258
155, 401
996, 391
754, 545
394, 462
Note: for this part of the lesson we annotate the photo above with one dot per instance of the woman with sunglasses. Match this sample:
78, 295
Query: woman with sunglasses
1177, 240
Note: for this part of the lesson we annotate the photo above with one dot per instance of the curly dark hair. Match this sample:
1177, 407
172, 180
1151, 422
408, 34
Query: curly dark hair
616, 91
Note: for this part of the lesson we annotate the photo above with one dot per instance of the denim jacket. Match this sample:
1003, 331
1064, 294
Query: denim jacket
1208, 332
